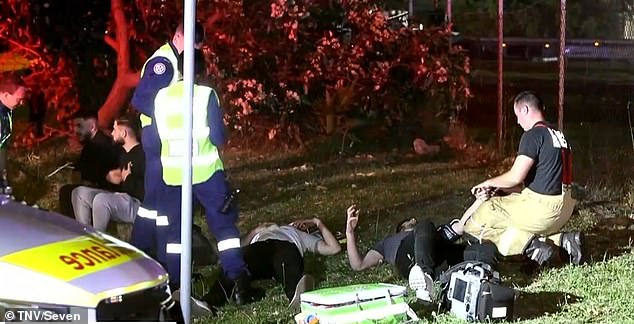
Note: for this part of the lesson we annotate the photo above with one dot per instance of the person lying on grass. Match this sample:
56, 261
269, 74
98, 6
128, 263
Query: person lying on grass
277, 251
418, 250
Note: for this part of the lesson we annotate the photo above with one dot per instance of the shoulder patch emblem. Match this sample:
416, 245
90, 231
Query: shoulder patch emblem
159, 68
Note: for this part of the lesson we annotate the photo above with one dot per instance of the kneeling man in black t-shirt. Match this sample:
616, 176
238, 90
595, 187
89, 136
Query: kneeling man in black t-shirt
538, 200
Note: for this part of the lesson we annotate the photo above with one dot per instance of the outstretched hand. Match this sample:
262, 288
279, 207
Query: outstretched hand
353, 219
483, 192
307, 224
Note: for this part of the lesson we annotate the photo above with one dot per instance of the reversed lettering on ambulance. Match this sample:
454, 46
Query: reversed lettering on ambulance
89, 257
71, 259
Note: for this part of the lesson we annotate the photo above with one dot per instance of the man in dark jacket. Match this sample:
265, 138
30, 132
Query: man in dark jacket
95, 207
98, 156
12, 95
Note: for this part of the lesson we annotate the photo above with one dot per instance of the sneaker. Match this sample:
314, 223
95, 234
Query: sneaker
421, 282
199, 308
305, 283
572, 242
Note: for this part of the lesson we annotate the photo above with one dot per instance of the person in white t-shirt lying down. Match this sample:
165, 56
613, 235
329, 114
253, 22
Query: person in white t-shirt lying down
277, 251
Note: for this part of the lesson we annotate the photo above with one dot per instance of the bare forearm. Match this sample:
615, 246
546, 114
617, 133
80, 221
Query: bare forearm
459, 227
354, 256
332, 244
504, 180
513, 177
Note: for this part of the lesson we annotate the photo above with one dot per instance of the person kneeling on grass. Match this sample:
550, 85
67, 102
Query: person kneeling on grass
418, 250
537, 201
277, 251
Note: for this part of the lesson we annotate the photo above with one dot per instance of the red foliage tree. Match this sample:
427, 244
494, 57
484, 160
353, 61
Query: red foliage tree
50, 73
285, 69
291, 65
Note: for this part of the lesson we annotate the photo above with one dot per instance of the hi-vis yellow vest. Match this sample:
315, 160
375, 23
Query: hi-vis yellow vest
164, 51
169, 117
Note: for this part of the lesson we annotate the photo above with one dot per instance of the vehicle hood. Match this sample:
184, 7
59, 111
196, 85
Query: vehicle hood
51, 258
23, 227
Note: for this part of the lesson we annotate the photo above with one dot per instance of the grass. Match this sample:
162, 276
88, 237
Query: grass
389, 189
391, 186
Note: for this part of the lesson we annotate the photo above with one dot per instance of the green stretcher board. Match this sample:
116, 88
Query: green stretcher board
363, 303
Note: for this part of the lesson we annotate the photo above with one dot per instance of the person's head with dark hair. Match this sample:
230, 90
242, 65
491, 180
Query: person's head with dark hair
178, 39
529, 109
85, 113
529, 98
85, 124
126, 129
12, 91
199, 64
407, 224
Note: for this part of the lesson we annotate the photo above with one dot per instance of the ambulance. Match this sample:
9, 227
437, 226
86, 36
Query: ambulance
51, 264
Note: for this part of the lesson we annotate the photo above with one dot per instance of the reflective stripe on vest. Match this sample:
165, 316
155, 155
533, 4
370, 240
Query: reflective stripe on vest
147, 213
173, 248
170, 122
166, 52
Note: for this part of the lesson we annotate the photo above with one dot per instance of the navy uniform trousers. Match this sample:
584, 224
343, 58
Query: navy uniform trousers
157, 228
211, 195
144, 230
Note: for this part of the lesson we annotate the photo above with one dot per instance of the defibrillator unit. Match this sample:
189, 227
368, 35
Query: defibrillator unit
475, 294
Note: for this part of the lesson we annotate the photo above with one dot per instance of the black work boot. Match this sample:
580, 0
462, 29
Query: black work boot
538, 254
244, 293
539, 251
572, 243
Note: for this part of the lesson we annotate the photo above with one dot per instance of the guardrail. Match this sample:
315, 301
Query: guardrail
548, 48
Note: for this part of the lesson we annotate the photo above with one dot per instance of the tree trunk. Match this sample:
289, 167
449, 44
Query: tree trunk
126, 79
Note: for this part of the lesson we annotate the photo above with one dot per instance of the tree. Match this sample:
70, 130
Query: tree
126, 78
49, 72
286, 67
285, 70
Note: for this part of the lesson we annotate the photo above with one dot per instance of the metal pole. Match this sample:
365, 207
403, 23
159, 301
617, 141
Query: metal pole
410, 7
562, 64
500, 110
448, 13
186, 207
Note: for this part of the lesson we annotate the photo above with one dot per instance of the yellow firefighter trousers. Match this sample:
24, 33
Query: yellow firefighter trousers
511, 222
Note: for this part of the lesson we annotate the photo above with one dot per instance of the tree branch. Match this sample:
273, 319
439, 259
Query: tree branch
121, 32
131, 79
126, 80
111, 42
16, 44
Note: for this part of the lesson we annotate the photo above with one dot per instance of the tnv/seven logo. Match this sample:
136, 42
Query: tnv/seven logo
37, 315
